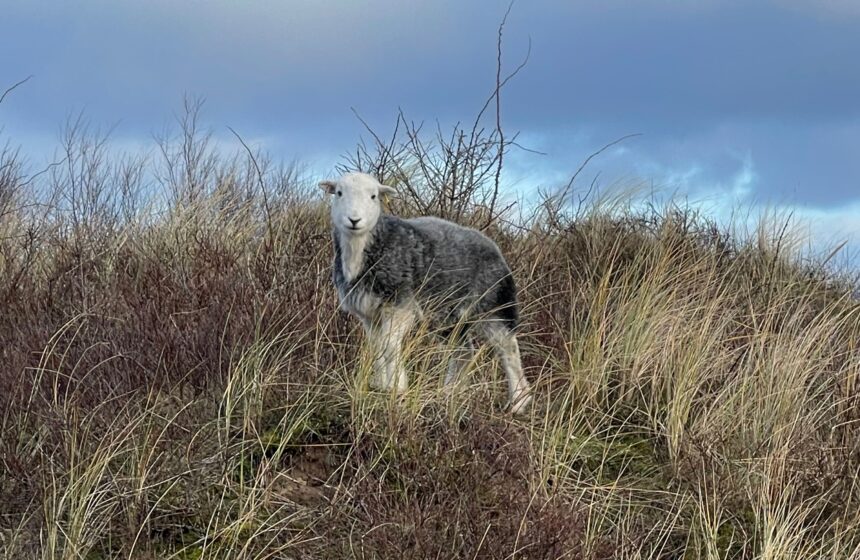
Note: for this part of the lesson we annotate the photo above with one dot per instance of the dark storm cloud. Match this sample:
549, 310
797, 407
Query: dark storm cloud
753, 95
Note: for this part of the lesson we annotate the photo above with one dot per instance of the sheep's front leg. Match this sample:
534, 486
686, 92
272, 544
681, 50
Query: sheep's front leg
386, 338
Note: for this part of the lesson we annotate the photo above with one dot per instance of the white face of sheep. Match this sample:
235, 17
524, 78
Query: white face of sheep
356, 205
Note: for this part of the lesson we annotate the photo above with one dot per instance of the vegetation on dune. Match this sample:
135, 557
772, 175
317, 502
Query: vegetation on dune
177, 382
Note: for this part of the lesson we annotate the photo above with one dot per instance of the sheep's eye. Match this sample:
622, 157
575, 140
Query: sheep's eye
339, 193
373, 197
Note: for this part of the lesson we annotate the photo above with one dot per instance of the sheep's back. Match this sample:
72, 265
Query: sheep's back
467, 268
461, 250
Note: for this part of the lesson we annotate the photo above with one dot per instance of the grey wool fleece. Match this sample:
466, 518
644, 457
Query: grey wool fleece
438, 263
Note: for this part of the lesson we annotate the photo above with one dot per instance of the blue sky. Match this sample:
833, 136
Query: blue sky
753, 102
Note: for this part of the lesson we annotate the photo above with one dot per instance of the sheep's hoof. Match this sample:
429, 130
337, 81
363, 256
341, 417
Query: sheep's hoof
520, 404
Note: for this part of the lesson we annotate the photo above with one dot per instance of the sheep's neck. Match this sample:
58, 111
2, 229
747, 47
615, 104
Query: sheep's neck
352, 254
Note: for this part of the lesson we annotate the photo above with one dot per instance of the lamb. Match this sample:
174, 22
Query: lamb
390, 272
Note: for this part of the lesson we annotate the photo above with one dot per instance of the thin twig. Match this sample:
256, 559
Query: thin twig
523, 148
500, 83
499, 131
9, 90
50, 166
597, 153
259, 180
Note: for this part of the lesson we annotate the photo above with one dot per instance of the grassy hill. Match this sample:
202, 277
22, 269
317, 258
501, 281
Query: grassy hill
176, 380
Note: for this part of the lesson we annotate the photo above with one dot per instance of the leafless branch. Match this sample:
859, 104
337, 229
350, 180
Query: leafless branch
12, 88
523, 148
594, 155
38, 174
259, 174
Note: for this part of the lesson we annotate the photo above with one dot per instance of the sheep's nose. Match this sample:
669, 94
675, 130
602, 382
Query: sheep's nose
354, 221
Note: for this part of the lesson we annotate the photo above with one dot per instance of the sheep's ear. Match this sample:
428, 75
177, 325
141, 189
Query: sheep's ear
385, 189
328, 186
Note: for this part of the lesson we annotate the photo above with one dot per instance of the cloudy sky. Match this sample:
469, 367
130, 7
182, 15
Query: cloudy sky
751, 102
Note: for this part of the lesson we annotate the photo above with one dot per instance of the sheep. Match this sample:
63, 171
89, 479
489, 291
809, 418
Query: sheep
390, 272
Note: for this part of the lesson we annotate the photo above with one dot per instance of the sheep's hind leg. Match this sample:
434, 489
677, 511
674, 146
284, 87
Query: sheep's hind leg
386, 336
460, 357
505, 344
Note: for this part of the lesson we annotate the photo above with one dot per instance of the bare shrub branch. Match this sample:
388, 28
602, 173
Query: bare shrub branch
14, 87
455, 174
